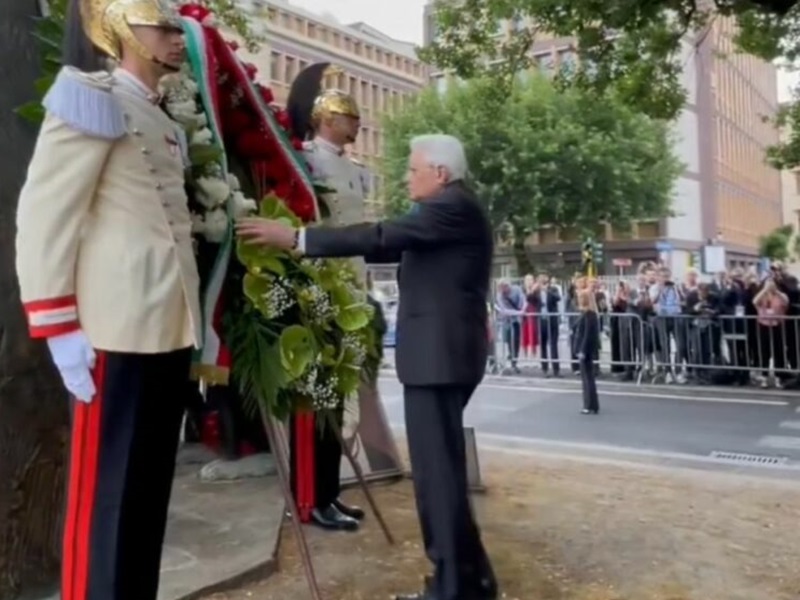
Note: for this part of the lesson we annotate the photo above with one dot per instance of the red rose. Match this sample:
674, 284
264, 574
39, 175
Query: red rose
282, 117
297, 143
266, 94
195, 11
251, 70
233, 45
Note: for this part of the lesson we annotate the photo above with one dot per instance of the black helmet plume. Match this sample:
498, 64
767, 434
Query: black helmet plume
77, 50
300, 103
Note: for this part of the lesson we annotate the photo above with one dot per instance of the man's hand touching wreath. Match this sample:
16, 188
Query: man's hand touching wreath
266, 232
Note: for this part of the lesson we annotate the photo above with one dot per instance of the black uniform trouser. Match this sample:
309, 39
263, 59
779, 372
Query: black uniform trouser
589, 385
435, 432
327, 461
122, 463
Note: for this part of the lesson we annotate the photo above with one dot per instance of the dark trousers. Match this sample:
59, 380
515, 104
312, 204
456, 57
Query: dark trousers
327, 451
512, 333
122, 463
435, 432
589, 384
548, 337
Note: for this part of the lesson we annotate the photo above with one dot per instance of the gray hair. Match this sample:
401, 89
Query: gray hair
442, 151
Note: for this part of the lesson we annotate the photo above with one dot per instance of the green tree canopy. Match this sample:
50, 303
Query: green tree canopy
539, 155
778, 244
631, 46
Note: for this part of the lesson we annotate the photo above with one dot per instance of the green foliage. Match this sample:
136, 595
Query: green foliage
778, 244
49, 33
633, 47
539, 155
308, 317
233, 17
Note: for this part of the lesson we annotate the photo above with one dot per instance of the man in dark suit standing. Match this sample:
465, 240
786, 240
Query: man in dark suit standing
445, 253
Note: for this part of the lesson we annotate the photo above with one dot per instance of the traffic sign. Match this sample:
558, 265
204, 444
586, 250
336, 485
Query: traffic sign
622, 262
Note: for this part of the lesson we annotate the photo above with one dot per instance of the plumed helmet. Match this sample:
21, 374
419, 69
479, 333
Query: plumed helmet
107, 23
310, 100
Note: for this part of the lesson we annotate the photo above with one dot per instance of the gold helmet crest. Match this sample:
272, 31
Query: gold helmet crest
108, 23
314, 97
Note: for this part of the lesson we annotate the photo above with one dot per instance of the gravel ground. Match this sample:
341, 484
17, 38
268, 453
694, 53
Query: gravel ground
566, 529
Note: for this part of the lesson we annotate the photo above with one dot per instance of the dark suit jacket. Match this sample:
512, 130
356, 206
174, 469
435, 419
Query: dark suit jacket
587, 335
445, 254
553, 298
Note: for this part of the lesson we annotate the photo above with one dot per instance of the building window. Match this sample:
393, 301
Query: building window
275, 66
312, 31
286, 20
546, 63
302, 66
797, 182
337, 40
289, 69
352, 88
567, 61
358, 48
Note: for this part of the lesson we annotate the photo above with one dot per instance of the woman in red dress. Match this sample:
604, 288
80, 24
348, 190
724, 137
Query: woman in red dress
530, 339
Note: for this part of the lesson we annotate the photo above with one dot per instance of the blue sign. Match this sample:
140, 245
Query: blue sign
663, 246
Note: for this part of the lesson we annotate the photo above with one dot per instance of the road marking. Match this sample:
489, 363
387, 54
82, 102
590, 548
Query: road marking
790, 424
634, 394
783, 442
524, 446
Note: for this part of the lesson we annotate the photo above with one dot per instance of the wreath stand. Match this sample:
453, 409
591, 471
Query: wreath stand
279, 444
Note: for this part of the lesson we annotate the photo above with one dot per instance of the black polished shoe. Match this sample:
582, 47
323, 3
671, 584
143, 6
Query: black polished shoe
487, 590
354, 512
330, 518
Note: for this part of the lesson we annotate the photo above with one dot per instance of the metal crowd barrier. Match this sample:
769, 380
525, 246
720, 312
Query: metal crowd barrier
682, 348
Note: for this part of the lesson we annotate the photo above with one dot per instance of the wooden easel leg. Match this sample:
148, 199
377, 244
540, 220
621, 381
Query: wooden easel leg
282, 462
348, 452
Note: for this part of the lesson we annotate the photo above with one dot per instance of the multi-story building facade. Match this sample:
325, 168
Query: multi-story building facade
381, 73
727, 193
790, 191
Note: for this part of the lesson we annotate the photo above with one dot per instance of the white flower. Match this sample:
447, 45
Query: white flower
319, 304
242, 205
278, 299
216, 225
185, 112
213, 226
212, 192
233, 182
322, 392
202, 137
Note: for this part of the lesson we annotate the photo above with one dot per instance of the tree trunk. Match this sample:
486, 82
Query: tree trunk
524, 264
33, 405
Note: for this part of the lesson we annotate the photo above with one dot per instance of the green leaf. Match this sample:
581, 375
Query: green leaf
272, 207
204, 154
297, 350
258, 258
31, 111
352, 314
43, 84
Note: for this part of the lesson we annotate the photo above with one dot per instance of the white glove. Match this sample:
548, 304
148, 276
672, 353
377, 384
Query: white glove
74, 357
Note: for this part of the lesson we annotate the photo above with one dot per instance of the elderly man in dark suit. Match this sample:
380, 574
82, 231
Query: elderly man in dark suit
445, 252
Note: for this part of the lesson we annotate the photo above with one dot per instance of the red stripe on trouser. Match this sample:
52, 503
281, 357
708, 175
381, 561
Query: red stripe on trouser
83, 468
304, 455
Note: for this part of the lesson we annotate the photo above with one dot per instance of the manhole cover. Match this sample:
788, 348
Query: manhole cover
750, 459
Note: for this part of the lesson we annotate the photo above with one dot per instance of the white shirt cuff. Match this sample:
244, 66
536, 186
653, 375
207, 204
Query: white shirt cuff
301, 241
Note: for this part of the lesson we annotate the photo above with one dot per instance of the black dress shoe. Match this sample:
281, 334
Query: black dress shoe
589, 411
487, 590
331, 518
353, 512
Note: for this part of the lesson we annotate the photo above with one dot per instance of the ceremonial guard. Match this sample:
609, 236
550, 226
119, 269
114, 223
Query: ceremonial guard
109, 280
328, 119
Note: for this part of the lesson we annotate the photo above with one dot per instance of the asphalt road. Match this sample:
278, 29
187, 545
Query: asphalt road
673, 423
